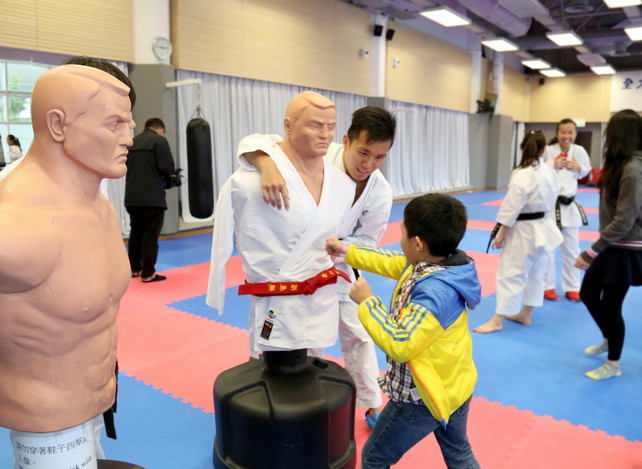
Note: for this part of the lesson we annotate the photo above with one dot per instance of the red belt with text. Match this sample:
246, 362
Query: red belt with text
307, 287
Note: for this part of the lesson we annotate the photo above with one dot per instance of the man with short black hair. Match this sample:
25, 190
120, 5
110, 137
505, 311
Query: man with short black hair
148, 163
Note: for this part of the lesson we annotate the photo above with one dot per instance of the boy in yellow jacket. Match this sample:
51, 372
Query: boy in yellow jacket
430, 371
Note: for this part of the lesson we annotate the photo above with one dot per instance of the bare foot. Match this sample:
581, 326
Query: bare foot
494, 325
521, 318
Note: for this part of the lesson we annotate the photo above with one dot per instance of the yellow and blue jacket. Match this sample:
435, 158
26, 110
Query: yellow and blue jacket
431, 333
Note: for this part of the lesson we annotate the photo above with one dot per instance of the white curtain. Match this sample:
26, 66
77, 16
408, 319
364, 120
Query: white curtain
236, 107
430, 151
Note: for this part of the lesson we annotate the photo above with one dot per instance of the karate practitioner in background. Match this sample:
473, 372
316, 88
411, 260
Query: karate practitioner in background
63, 268
526, 235
283, 252
360, 155
571, 162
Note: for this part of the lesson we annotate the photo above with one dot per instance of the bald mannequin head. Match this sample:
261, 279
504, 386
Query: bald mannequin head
310, 120
83, 114
70, 89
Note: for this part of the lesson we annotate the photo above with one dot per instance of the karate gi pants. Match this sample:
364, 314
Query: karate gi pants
520, 280
569, 250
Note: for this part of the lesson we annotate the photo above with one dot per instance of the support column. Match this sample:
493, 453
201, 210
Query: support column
378, 57
149, 74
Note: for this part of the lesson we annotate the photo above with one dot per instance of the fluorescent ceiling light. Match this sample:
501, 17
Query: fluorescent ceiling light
500, 45
564, 38
603, 70
446, 17
634, 33
553, 73
622, 3
536, 64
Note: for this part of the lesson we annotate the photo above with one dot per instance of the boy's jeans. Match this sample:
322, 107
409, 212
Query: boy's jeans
401, 425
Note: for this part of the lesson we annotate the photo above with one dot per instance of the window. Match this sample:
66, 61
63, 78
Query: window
17, 80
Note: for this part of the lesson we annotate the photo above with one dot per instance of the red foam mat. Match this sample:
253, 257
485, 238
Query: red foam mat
181, 354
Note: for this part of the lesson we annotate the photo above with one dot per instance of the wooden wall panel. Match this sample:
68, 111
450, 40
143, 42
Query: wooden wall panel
268, 40
353, 33
430, 72
208, 35
301, 42
18, 24
515, 95
315, 48
89, 27
583, 96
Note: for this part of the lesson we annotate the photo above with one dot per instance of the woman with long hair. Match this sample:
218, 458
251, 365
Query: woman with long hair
15, 150
614, 262
526, 234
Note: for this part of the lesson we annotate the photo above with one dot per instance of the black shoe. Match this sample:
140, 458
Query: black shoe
154, 278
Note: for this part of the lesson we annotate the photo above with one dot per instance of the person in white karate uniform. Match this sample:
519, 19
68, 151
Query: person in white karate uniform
527, 234
361, 154
571, 162
283, 252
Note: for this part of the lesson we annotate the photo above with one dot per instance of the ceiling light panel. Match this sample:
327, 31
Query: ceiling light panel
622, 3
500, 45
553, 73
446, 17
536, 64
564, 38
603, 70
634, 33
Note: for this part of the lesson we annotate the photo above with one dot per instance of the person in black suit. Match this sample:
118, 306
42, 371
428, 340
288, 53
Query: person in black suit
149, 162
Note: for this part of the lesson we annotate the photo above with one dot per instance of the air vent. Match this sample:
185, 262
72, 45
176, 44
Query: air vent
578, 7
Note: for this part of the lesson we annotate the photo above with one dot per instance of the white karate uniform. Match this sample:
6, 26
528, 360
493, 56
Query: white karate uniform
522, 264
365, 224
281, 245
570, 218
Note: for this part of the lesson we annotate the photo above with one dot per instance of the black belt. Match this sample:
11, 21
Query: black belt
531, 216
520, 217
562, 200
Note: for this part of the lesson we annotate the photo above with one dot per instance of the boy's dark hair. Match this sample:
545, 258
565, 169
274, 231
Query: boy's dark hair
439, 220
154, 123
379, 124
108, 68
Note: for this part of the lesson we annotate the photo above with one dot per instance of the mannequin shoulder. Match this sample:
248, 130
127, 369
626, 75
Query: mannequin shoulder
31, 246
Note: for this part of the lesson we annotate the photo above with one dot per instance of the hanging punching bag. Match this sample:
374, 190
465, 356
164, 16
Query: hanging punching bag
199, 168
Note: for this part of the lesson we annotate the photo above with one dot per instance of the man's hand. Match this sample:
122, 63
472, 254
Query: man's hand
273, 186
360, 290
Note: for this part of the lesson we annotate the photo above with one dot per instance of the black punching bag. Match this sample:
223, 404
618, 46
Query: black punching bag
286, 410
199, 168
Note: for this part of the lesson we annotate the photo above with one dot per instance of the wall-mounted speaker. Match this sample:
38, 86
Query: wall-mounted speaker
390, 33
378, 30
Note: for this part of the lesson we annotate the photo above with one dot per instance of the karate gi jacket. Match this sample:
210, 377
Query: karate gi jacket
281, 246
570, 214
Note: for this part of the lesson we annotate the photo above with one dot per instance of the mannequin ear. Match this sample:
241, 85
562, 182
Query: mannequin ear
287, 125
55, 119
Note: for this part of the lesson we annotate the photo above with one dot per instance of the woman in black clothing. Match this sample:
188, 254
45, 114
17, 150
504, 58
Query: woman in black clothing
614, 262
